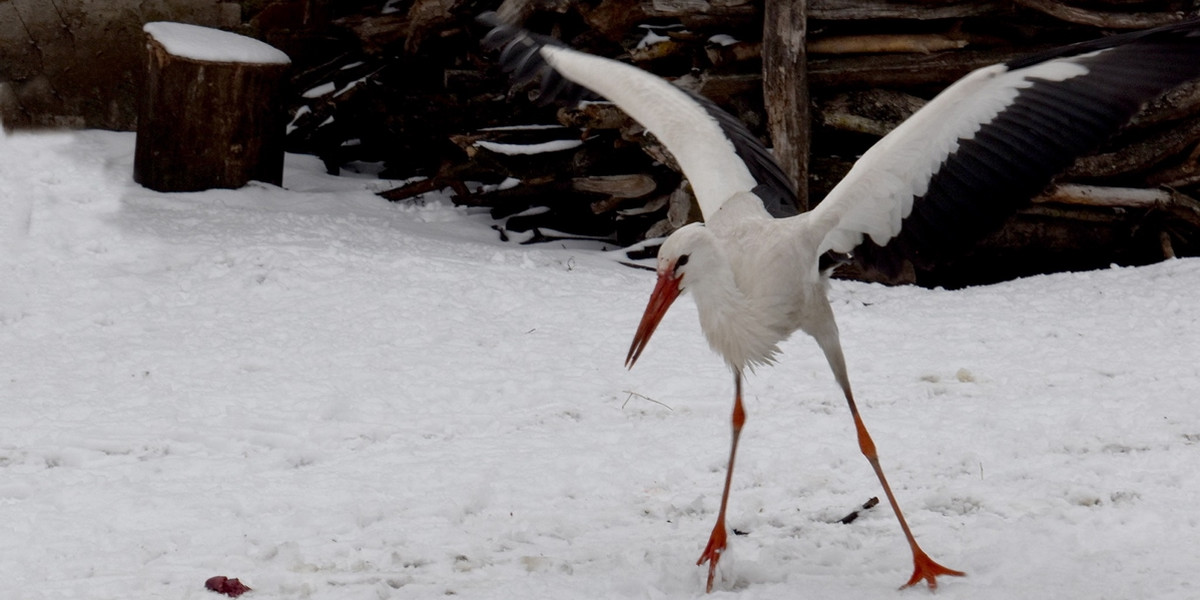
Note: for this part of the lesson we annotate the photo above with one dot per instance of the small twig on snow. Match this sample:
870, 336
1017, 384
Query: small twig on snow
647, 398
869, 504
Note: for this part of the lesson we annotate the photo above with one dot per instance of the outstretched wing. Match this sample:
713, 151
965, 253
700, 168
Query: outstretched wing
954, 170
718, 155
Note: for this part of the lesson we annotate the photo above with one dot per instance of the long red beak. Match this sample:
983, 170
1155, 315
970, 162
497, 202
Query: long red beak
665, 292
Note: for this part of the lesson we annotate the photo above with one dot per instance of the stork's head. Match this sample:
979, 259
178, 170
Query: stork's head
681, 260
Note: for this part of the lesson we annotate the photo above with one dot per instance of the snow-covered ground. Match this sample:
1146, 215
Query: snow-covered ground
330, 396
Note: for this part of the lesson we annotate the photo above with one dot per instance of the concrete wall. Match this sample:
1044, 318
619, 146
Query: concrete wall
78, 63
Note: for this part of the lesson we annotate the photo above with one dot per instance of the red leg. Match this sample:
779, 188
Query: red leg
716, 541
924, 568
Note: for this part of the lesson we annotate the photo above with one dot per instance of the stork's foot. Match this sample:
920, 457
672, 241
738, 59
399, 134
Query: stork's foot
924, 568
712, 552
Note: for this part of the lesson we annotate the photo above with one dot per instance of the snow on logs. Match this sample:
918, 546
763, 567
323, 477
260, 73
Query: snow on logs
212, 111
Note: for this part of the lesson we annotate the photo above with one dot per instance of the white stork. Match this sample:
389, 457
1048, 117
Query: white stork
950, 173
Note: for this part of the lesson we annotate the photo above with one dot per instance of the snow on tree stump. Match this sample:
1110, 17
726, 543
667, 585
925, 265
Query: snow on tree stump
212, 112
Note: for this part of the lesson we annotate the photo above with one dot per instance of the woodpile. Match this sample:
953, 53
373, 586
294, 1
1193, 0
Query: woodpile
411, 88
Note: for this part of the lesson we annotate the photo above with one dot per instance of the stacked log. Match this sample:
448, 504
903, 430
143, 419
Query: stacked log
414, 90
1132, 202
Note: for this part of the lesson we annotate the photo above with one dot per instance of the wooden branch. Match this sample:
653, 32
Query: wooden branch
376, 32
874, 112
1076, 215
594, 115
521, 160
426, 17
425, 186
1179, 103
863, 10
682, 207
726, 54
412, 190
923, 43
1121, 3
901, 70
722, 88
854, 514
613, 19
658, 50
1107, 20
1164, 240
618, 186
1185, 209
1103, 196
449, 175
517, 12
520, 198
1140, 155
652, 205
1184, 174
684, 8
1181, 209
679, 204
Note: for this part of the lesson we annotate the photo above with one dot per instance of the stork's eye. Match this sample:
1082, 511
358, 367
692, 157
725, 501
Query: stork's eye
683, 260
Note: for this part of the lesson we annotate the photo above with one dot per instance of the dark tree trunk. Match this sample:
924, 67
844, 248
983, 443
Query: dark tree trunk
785, 89
206, 124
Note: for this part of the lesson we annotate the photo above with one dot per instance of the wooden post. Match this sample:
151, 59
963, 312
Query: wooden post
212, 112
785, 89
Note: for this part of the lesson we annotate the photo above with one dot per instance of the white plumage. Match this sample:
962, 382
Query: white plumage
879, 190
683, 126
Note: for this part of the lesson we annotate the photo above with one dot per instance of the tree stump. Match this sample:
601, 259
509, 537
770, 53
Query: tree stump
212, 112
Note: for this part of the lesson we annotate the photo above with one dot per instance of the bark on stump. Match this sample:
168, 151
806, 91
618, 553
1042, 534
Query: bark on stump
212, 113
785, 89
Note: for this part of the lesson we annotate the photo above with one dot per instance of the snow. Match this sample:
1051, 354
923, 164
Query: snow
528, 127
353, 84
522, 149
300, 113
722, 39
320, 90
390, 7
651, 38
213, 45
326, 395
